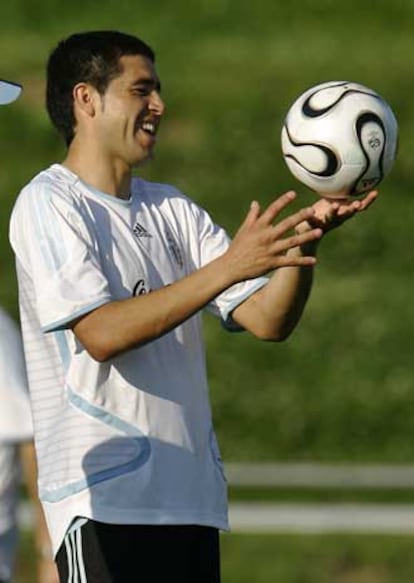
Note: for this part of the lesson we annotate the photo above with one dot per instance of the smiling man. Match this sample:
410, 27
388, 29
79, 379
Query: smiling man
114, 272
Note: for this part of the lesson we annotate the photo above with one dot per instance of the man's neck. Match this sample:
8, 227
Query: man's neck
105, 175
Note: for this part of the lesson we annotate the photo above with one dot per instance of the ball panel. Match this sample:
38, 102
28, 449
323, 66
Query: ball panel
325, 97
317, 159
370, 131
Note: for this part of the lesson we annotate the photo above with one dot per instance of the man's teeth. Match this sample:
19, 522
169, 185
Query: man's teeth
148, 127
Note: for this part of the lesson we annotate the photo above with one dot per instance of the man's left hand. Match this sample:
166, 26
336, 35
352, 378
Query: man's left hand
330, 213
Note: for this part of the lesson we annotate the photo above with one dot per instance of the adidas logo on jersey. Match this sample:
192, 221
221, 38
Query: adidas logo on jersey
140, 231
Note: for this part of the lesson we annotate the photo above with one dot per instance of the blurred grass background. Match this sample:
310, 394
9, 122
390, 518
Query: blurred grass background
341, 388
298, 559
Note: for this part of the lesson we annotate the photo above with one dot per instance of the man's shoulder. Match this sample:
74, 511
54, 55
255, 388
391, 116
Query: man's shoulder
53, 183
53, 178
49, 189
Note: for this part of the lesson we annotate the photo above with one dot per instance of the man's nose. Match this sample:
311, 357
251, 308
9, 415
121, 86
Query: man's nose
156, 104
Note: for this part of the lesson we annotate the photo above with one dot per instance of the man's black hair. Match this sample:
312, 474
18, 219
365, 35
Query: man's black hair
89, 57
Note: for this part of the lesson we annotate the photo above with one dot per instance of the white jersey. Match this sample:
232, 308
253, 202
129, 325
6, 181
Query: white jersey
15, 427
129, 440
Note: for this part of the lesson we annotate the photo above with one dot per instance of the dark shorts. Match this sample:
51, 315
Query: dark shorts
113, 553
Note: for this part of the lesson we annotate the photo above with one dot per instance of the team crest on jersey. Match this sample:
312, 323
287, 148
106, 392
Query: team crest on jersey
140, 231
174, 249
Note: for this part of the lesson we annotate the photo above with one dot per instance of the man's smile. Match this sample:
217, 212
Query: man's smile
149, 127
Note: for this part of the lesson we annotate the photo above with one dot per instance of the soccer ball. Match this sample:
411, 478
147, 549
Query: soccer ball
340, 139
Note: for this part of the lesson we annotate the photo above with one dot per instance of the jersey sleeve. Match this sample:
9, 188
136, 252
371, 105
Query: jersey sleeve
55, 245
214, 241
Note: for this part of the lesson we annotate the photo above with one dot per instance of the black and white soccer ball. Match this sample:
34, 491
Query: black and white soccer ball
340, 139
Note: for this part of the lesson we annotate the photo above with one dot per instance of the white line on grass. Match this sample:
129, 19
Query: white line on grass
314, 475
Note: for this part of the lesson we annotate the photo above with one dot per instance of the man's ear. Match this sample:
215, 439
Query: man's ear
84, 99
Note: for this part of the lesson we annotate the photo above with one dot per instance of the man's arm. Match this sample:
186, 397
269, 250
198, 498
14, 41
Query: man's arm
259, 247
273, 311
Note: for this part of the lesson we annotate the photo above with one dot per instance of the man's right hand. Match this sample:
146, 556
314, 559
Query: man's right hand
261, 246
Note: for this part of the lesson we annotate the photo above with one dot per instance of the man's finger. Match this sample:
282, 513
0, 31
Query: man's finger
252, 214
292, 221
297, 240
293, 261
276, 207
368, 200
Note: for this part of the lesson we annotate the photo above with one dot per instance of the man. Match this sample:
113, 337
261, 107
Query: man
16, 438
113, 274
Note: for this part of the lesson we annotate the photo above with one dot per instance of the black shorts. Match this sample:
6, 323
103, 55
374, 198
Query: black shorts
114, 553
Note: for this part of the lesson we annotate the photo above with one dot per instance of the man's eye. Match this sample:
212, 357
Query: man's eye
142, 91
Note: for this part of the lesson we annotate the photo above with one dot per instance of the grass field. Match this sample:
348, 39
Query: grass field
334, 559
297, 559
342, 387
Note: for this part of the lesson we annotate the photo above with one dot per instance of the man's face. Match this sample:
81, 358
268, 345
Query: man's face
130, 112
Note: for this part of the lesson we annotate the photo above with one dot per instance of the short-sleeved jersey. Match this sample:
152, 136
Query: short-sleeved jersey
129, 440
15, 427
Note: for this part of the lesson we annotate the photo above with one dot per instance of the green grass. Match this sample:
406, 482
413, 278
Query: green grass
341, 387
317, 559
296, 559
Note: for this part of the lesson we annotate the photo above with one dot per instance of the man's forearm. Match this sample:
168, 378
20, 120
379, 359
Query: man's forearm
121, 325
273, 312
